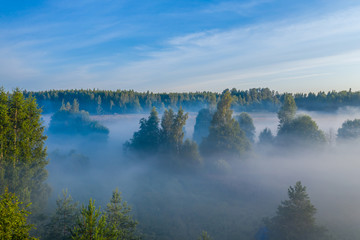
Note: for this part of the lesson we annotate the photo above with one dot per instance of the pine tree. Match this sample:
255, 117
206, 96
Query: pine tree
225, 139
91, 225
4, 127
118, 215
295, 218
23, 163
13, 218
64, 218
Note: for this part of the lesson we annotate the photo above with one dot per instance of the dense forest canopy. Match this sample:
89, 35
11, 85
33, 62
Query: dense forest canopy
129, 101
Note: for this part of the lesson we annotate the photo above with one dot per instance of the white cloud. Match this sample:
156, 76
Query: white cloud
313, 54
276, 55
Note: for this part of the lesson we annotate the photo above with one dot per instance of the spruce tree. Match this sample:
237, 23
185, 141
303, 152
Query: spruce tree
295, 218
22, 165
64, 218
91, 225
225, 139
13, 218
118, 215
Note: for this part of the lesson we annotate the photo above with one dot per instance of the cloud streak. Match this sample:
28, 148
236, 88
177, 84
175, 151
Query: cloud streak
286, 55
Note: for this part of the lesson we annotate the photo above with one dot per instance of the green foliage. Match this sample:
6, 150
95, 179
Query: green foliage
13, 218
70, 120
92, 225
295, 218
225, 136
118, 215
350, 129
300, 131
287, 111
167, 141
247, 125
64, 218
123, 101
171, 133
266, 137
204, 236
148, 137
23, 152
202, 125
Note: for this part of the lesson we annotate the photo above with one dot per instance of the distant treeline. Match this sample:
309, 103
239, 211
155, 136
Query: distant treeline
129, 101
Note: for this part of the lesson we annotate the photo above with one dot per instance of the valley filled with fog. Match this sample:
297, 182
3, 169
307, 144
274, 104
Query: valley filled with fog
230, 203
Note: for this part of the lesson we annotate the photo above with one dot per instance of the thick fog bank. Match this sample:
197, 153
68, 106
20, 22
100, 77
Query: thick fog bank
229, 203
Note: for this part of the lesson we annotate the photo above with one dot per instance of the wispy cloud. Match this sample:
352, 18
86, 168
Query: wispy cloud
315, 52
288, 55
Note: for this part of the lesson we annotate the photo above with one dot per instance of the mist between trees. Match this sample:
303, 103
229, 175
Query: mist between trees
224, 180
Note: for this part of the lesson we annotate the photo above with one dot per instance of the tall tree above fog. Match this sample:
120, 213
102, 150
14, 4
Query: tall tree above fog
295, 218
202, 124
172, 133
23, 152
225, 136
148, 137
350, 129
247, 125
287, 111
300, 131
165, 142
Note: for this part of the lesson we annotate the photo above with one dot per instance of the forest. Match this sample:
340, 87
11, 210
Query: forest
80, 174
128, 101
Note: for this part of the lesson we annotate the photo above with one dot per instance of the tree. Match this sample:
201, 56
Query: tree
300, 131
287, 111
204, 236
22, 141
172, 133
4, 125
295, 218
189, 153
91, 225
350, 129
64, 218
75, 107
13, 218
225, 136
247, 125
202, 125
118, 215
266, 137
147, 138
72, 122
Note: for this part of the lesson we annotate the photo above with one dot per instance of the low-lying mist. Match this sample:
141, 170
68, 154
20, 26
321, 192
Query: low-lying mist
229, 203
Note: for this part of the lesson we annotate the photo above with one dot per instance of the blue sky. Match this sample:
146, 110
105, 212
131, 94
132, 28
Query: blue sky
289, 46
